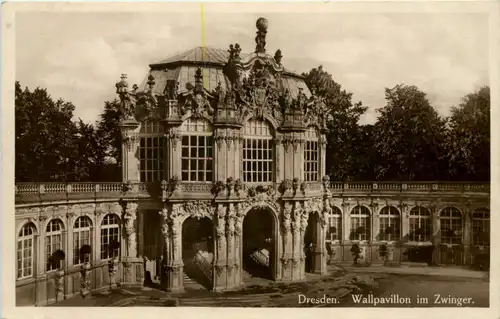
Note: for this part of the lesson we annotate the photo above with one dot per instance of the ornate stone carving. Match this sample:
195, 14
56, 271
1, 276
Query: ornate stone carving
260, 39
129, 217
278, 56
287, 215
261, 190
85, 279
291, 141
174, 136
197, 99
139, 272
112, 270
295, 184
238, 186
285, 185
199, 209
59, 280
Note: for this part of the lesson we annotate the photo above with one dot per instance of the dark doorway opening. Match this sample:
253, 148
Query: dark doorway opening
198, 251
310, 241
259, 243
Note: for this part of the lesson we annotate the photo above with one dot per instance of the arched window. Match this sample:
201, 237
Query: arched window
451, 226
334, 231
311, 156
151, 151
25, 251
196, 157
110, 236
390, 229
420, 224
82, 235
481, 227
53, 241
360, 223
258, 152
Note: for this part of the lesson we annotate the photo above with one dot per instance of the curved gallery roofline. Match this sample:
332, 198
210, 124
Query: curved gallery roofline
204, 57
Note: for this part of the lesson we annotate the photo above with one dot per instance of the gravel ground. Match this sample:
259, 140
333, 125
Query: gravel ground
387, 290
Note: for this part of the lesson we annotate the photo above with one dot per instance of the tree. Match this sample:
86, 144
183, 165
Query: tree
409, 137
345, 138
469, 137
44, 136
110, 138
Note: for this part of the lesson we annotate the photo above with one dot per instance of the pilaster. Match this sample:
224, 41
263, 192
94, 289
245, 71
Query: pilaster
286, 225
238, 247
296, 242
304, 218
279, 157
467, 238
172, 278
230, 239
346, 220
173, 151
405, 220
220, 265
375, 222
130, 143
133, 265
319, 265
436, 239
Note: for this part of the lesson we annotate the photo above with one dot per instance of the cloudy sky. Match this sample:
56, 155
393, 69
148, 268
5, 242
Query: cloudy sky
79, 56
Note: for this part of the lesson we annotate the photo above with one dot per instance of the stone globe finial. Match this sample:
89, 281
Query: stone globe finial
261, 24
260, 39
121, 87
151, 82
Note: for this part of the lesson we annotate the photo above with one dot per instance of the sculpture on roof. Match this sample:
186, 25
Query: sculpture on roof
260, 39
196, 100
134, 104
256, 85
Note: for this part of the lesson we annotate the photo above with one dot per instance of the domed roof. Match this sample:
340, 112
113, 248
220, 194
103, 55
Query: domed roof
227, 87
181, 68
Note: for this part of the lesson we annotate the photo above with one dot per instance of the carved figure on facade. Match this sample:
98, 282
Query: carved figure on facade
196, 99
174, 136
260, 39
136, 105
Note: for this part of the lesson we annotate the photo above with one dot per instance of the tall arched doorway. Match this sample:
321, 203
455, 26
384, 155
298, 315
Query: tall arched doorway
260, 243
311, 242
198, 250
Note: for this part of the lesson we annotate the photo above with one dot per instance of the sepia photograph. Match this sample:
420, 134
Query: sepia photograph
249, 155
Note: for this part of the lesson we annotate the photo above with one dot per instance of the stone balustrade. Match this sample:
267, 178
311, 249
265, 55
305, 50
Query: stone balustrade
49, 192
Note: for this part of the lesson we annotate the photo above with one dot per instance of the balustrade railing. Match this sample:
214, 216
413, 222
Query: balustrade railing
86, 189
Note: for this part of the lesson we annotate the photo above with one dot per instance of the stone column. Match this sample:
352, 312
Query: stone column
130, 142
405, 220
322, 156
346, 219
238, 254
220, 264
173, 150
132, 264
172, 273
320, 254
230, 239
279, 158
436, 235
39, 271
304, 218
375, 223
286, 260
220, 153
296, 248
130, 215
70, 218
467, 238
